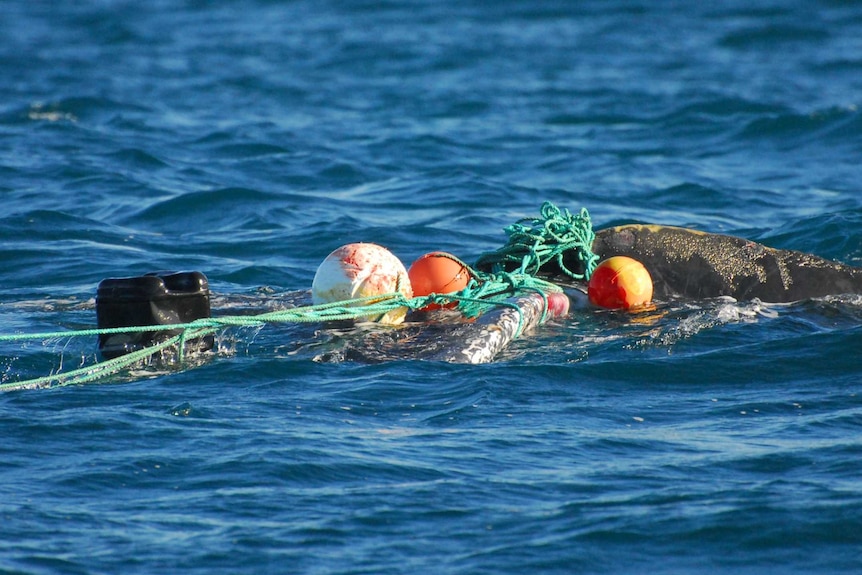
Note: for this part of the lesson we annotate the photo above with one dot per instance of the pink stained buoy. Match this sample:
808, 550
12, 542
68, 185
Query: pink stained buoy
361, 270
558, 304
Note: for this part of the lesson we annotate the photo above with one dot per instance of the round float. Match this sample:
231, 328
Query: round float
361, 270
620, 282
438, 273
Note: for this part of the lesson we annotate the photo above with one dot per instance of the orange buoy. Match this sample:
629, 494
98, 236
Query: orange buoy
620, 282
439, 273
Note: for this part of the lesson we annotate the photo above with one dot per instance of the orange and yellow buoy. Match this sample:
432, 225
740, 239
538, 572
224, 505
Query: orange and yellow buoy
620, 282
438, 273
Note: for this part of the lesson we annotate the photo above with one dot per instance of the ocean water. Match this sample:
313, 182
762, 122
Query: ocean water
248, 140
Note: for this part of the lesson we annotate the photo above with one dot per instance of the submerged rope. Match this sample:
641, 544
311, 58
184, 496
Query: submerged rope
534, 242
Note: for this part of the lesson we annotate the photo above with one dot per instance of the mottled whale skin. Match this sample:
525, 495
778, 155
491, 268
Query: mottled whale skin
693, 264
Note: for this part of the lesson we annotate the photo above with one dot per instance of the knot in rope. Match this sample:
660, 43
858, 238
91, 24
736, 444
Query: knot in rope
533, 242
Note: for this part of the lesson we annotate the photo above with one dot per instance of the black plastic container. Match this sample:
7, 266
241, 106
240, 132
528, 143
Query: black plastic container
160, 298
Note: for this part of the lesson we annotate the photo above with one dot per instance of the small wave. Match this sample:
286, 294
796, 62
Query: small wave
80, 109
841, 125
836, 235
771, 35
219, 209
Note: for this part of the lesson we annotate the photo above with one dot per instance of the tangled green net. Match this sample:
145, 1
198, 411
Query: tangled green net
534, 242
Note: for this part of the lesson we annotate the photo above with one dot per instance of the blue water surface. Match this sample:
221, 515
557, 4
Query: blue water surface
247, 140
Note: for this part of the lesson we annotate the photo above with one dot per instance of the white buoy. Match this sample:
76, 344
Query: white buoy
361, 270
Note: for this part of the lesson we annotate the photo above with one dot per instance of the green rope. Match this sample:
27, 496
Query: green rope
546, 239
342, 310
99, 370
489, 289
